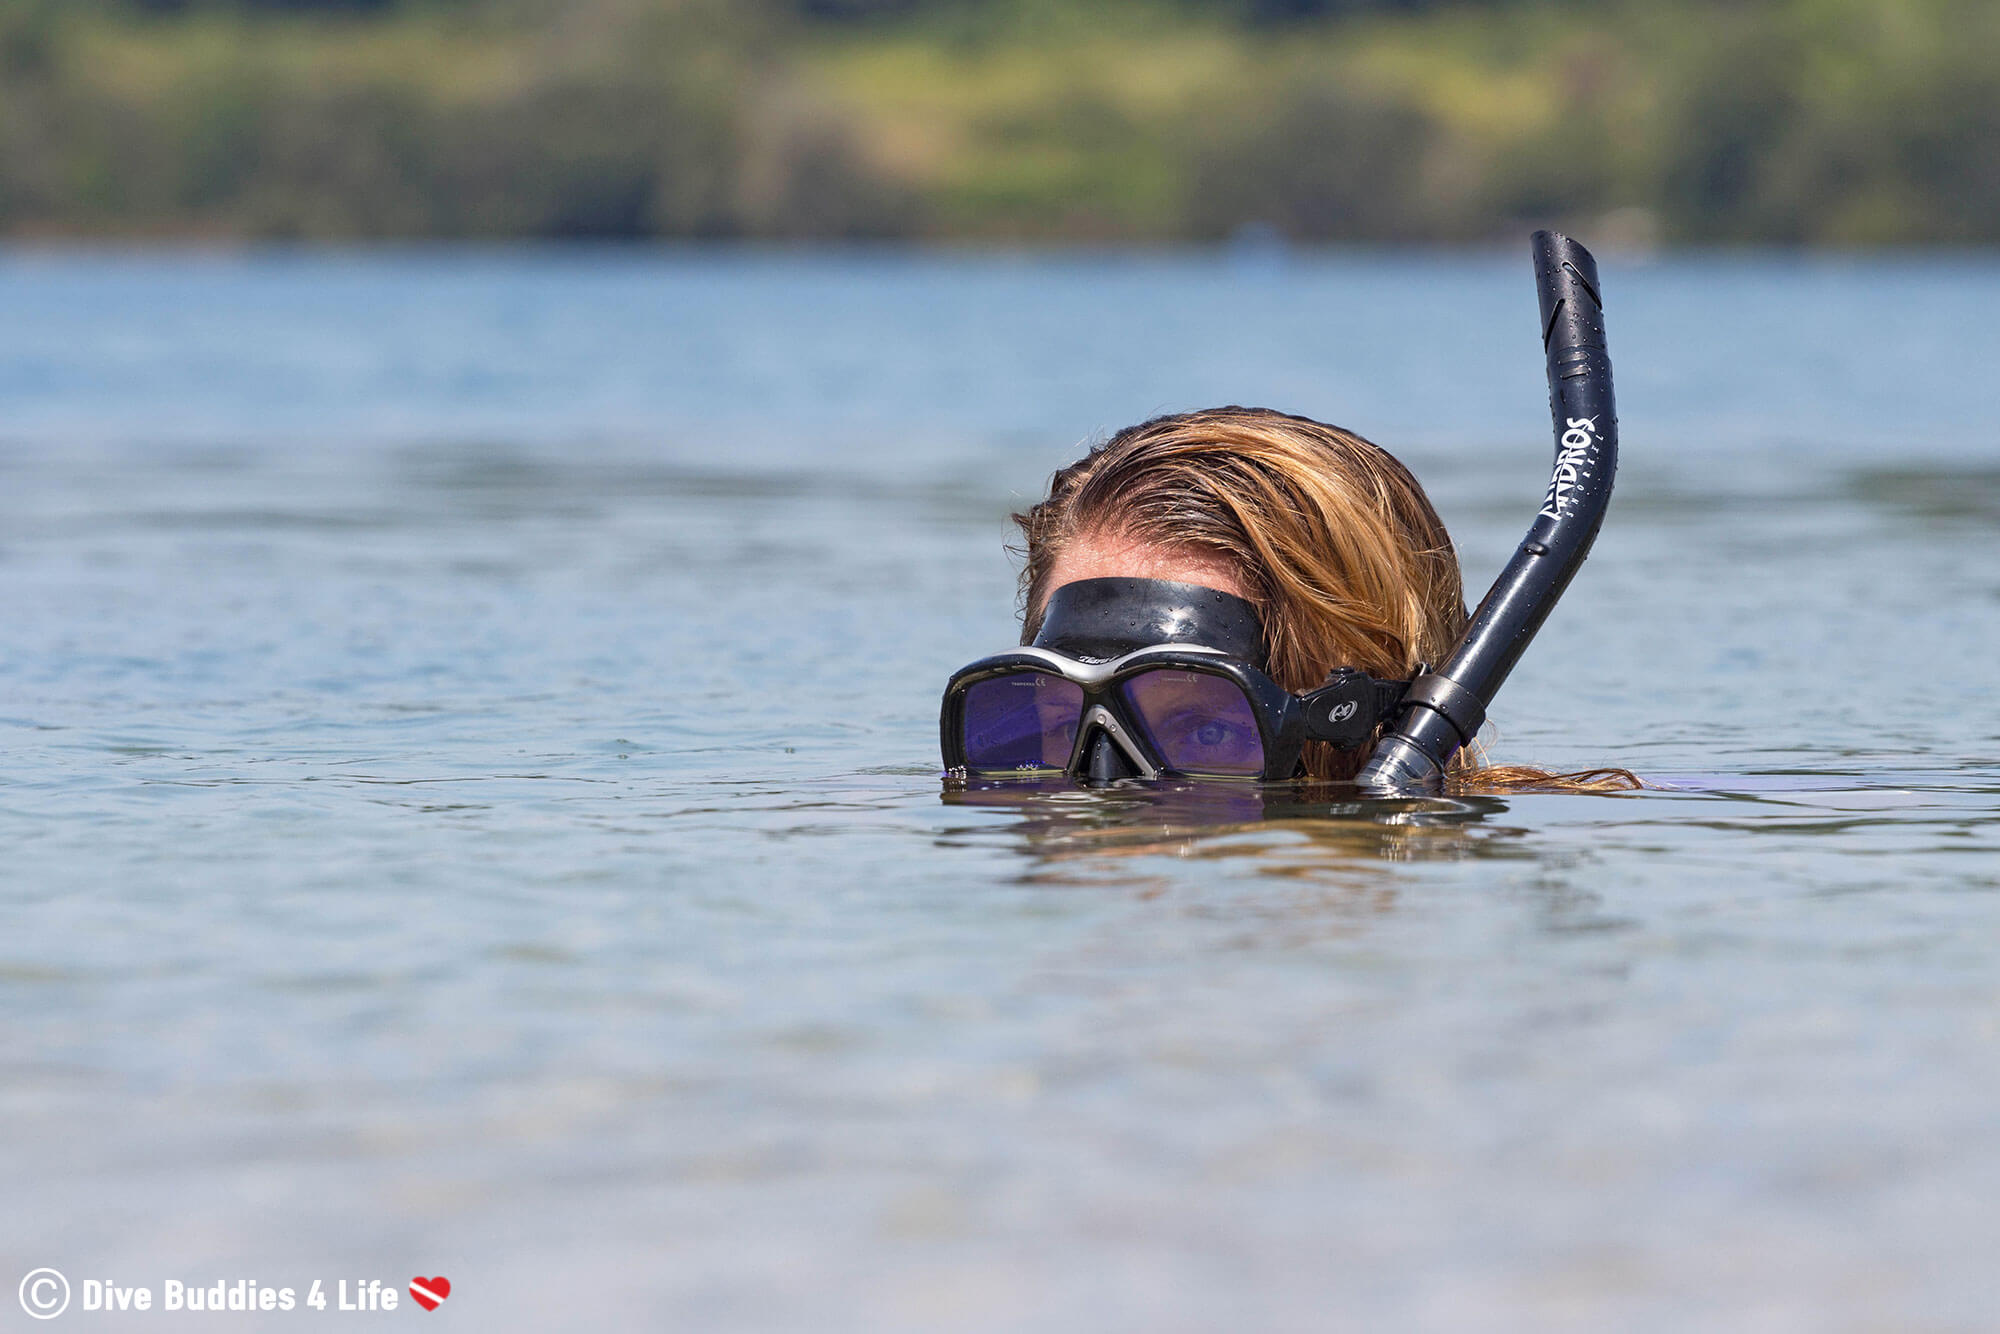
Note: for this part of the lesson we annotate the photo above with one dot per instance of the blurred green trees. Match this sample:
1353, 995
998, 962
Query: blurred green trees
1813, 121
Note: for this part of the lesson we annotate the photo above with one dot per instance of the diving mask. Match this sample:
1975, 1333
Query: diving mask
1147, 678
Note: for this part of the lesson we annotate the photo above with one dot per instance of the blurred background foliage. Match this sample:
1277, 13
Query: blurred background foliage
1840, 122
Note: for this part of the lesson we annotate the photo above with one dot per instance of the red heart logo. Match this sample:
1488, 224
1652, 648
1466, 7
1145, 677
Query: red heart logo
430, 1291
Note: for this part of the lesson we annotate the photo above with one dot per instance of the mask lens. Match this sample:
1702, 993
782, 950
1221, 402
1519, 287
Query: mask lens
1024, 721
1198, 723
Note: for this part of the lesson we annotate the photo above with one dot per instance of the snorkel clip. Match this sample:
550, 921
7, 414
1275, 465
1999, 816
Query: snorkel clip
1351, 705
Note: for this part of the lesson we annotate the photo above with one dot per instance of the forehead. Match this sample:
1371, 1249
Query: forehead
1117, 556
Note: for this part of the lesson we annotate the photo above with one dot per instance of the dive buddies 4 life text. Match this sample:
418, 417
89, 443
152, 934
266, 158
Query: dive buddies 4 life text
46, 1294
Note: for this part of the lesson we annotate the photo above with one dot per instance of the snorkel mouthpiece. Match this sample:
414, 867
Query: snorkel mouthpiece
1445, 708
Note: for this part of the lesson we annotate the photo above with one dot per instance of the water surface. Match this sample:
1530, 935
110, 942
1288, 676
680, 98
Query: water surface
472, 807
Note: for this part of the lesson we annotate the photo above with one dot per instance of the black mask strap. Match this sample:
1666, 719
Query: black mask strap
1096, 620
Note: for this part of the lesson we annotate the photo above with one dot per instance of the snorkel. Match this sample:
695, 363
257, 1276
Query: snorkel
1444, 708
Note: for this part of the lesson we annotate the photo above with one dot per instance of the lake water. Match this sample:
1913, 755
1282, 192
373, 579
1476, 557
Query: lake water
472, 807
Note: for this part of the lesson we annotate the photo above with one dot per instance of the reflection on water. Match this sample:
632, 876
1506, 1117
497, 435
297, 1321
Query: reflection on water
1302, 827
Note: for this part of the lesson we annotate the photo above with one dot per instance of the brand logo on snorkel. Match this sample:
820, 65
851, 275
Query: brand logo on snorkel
1340, 713
1577, 443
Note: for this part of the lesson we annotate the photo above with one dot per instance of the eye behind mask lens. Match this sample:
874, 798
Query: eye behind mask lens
1198, 723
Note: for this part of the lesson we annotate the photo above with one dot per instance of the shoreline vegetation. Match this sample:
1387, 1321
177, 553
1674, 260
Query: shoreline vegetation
1012, 122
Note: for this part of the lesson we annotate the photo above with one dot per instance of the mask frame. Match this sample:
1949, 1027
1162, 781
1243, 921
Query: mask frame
1345, 711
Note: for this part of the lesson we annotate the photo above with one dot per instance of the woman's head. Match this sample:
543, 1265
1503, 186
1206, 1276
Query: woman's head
1326, 535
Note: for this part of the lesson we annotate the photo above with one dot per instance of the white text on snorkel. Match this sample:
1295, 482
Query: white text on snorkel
1577, 442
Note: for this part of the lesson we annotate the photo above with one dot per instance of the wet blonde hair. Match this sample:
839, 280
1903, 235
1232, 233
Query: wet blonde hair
1332, 540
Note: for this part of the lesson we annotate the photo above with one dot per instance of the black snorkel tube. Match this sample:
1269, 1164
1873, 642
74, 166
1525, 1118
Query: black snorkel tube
1445, 707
